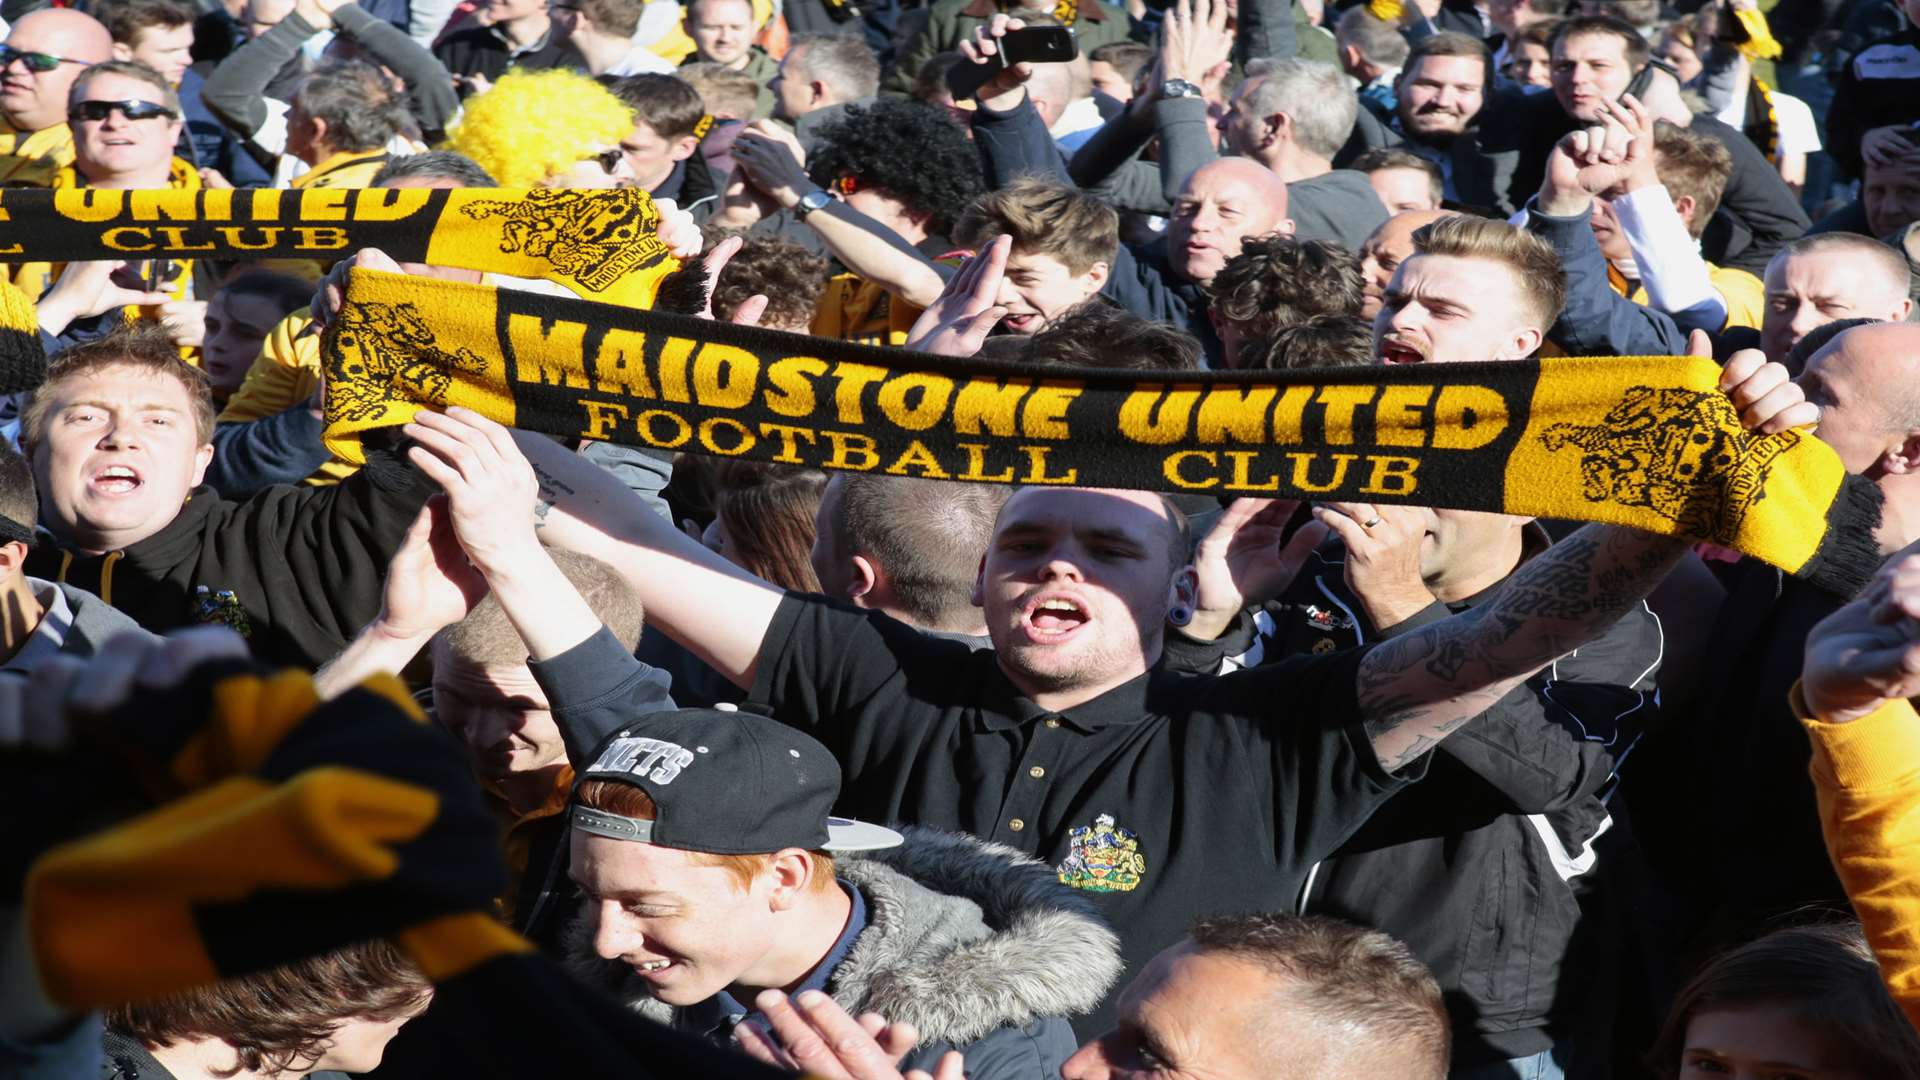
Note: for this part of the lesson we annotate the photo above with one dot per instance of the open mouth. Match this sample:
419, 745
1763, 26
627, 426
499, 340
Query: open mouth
1024, 323
1399, 352
116, 480
654, 968
1055, 618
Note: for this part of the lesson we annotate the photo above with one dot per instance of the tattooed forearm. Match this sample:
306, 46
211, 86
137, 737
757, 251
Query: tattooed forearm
1417, 688
551, 488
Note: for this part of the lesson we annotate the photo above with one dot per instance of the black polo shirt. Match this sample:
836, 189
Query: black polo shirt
1165, 799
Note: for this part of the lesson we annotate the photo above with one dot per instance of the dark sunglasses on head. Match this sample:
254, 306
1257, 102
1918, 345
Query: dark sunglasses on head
35, 61
97, 111
609, 159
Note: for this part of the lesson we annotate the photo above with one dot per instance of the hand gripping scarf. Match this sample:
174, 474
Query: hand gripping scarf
1648, 442
601, 244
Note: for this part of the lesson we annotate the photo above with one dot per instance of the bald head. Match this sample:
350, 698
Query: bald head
33, 101
1386, 249
1222, 203
1867, 384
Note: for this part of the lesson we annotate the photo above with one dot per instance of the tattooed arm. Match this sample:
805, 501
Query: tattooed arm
1417, 688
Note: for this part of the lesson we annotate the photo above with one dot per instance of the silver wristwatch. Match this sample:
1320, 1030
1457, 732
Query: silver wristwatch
817, 199
1178, 88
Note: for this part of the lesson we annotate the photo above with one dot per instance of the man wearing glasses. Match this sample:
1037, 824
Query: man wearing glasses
42, 56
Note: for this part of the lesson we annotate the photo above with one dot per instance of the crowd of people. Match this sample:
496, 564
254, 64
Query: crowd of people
985, 780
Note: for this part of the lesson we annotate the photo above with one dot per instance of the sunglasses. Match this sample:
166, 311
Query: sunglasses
609, 159
844, 186
97, 111
35, 61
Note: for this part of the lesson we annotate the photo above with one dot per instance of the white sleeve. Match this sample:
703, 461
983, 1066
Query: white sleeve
1798, 134
426, 18
1669, 259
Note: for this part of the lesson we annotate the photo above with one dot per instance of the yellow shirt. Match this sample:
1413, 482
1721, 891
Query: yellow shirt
286, 373
855, 309
347, 169
1745, 296
1866, 776
29, 159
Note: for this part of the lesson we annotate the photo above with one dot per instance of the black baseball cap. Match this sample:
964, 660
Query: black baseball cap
728, 783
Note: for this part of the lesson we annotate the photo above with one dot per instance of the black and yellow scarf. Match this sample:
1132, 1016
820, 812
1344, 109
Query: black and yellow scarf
601, 244
1648, 442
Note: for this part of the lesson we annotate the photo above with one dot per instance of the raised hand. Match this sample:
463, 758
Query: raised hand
812, 1034
430, 584
1241, 562
958, 322
1004, 90
1869, 651
87, 289
716, 260
491, 489
1383, 557
1195, 43
327, 298
1595, 159
1768, 399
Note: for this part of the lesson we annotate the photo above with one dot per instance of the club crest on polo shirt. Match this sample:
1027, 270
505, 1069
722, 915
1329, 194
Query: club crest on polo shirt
221, 608
1327, 618
1103, 857
650, 759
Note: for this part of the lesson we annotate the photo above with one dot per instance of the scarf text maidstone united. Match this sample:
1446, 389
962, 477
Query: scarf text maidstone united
1648, 442
602, 244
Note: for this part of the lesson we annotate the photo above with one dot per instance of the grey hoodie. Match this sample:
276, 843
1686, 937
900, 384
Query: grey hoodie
74, 623
975, 944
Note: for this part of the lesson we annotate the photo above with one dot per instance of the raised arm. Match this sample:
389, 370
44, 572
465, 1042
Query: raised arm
1418, 687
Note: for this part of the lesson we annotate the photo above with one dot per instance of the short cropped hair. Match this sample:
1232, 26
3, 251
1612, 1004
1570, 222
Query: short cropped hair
619, 18
1886, 262
1531, 260
144, 346
1393, 157
928, 535
1378, 41
1277, 281
19, 502
1324, 341
1692, 165
1632, 43
727, 94
666, 103
487, 636
1826, 975
434, 165
615, 797
1316, 95
359, 105
910, 150
843, 62
534, 124
1095, 334
1349, 979
1451, 43
128, 69
1044, 218
788, 275
282, 1019
1127, 58
125, 19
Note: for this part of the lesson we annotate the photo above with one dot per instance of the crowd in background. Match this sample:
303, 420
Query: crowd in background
1083, 783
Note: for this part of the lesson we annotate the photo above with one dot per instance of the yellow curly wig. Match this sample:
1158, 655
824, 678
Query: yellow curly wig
533, 124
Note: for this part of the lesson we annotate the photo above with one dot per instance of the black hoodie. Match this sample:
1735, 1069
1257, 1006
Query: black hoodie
296, 570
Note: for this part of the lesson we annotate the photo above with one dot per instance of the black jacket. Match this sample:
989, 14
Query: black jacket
1880, 87
1481, 867
1478, 170
296, 570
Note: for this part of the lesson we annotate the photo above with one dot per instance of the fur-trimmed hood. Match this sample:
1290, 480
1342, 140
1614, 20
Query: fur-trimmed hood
963, 937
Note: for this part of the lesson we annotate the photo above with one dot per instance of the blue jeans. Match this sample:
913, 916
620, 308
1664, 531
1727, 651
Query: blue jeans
1545, 1065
